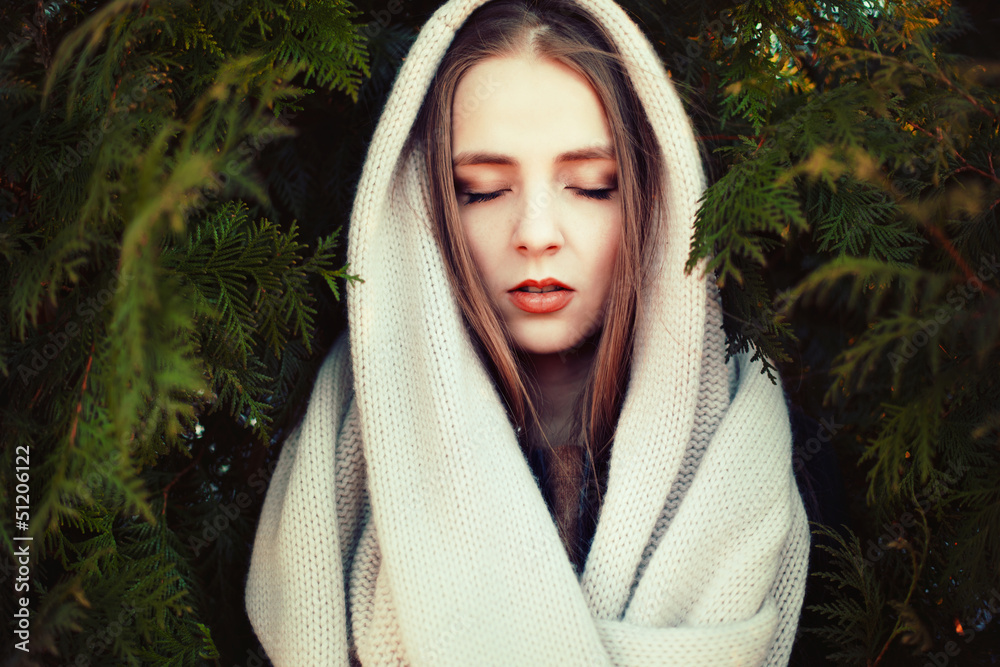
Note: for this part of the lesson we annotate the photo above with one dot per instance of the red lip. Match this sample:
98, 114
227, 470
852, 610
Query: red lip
539, 283
541, 302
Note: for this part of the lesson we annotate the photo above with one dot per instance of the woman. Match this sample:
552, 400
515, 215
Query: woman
490, 474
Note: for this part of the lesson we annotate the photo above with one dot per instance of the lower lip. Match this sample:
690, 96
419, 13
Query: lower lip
541, 302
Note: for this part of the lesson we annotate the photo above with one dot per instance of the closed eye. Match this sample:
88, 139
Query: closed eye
476, 197
479, 197
596, 194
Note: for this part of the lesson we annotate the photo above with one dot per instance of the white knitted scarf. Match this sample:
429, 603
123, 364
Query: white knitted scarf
403, 520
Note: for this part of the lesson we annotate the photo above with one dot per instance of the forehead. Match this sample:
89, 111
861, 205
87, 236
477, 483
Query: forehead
526, 106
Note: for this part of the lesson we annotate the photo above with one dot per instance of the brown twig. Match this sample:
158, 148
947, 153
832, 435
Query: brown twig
83, 389
35, 397
934, 75
917, 570
950, 248
973, 168
936, 232
881, 653
966, 269
968, 98
966, 166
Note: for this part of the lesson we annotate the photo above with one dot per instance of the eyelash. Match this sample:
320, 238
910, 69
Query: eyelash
479, 197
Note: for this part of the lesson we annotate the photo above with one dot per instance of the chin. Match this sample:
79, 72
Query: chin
547, 339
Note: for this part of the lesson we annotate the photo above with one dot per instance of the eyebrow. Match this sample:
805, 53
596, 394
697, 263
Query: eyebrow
470, 158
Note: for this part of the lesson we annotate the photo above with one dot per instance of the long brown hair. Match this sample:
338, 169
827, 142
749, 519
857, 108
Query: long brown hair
563, 31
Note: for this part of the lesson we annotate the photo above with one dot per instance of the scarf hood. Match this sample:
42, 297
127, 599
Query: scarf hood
403, 519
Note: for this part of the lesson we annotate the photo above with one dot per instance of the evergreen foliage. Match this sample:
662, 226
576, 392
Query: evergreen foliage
854, 228
174, 178
142, 295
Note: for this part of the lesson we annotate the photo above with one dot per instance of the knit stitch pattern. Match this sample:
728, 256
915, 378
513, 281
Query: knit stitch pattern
403, 522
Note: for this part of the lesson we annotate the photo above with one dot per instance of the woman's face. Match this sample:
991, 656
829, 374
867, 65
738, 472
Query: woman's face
536, 182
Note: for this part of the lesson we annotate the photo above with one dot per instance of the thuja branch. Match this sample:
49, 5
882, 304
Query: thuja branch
83, 390
917, 567
966, 165
937, 75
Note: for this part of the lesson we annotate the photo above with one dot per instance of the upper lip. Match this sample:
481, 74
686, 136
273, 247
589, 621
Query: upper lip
545, 282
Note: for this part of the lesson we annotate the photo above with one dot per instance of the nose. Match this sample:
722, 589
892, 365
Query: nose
537, 230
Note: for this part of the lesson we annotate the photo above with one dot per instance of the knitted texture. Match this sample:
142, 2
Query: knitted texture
403, 521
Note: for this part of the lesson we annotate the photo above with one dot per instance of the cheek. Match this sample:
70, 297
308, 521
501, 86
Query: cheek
483, 249
608, 242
